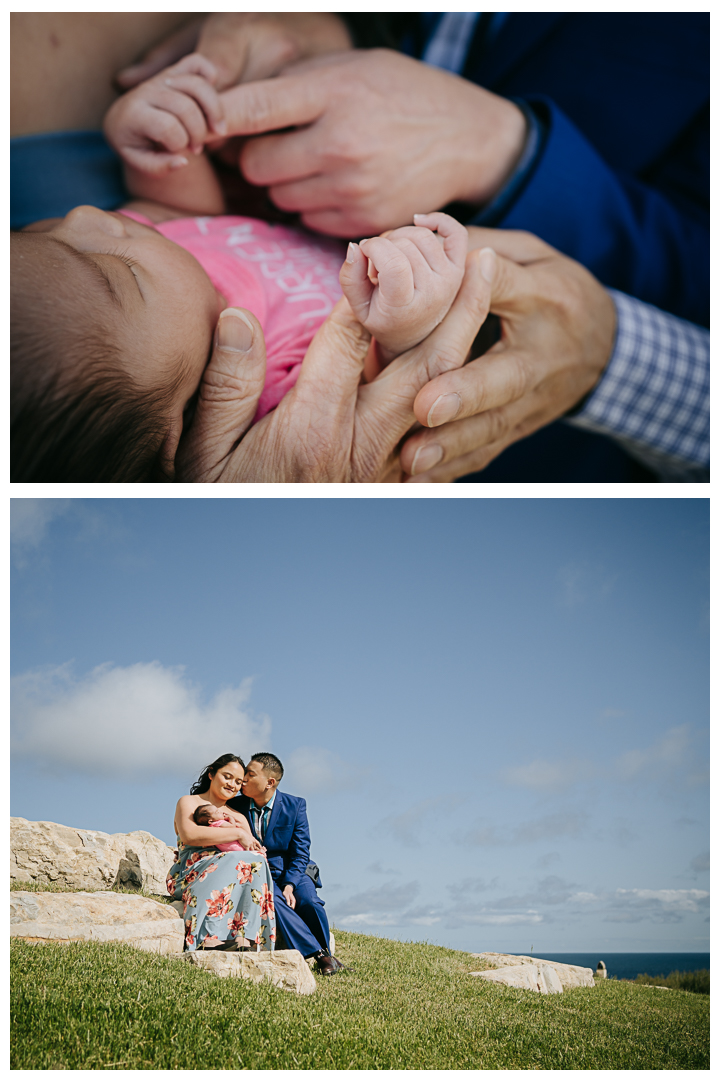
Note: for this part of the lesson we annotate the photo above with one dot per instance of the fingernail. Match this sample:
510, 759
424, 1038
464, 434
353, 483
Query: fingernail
488, 264
420, 215
426, 458
221, 127
350, 257
445, 408
178, 163
234, 331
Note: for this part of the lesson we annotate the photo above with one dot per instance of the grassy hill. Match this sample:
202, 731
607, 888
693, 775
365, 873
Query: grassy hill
405, 1006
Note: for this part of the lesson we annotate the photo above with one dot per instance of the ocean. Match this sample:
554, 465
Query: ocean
626, 965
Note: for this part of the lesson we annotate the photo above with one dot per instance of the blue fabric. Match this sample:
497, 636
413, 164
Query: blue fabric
622, 180
287, 842
226, 895
655, 393
50, 174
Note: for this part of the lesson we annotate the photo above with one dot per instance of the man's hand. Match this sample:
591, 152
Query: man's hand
401, 285
377, 137
289, 894
558, 329
329, 428
179, 110
245, 46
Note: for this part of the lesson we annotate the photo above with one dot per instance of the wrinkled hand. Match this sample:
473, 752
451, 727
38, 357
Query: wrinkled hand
177, 110
355, 116
289, 894
558, 329
401, 285
329, 428
245, 46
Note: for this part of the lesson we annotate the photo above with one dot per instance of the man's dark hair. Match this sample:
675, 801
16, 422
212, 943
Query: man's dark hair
271, 765
202, 811
76, 416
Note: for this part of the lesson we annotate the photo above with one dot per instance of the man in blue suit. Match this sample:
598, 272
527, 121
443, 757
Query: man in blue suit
279, 821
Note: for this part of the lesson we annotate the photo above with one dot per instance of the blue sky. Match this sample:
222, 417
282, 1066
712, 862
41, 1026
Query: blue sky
497, 709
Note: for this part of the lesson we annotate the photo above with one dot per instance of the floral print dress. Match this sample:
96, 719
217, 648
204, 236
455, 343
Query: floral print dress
227, 894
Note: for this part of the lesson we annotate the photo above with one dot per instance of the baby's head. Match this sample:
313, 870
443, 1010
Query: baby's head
111, 328
205, 813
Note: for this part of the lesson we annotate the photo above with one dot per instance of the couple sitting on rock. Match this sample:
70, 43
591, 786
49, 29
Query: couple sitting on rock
243, 883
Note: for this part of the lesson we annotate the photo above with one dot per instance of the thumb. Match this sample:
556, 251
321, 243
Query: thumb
229, 392
333, 365
509, 282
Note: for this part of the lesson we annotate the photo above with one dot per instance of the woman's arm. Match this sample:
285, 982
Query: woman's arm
202, 835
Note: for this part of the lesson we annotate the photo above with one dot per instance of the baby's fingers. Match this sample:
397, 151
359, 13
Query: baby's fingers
454, 235
199, 90
396, 281
152, 162
194, 64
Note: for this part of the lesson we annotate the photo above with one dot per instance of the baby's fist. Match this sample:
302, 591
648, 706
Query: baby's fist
402, 284
177, 110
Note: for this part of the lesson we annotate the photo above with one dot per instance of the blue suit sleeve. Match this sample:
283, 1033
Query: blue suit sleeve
298, 848
650, 240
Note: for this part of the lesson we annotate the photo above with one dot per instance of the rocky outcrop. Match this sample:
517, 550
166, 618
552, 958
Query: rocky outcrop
285, 968
97, 916
567, 975
41, 851
542, 978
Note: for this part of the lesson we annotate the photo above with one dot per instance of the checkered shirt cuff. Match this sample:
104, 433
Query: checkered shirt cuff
654, 396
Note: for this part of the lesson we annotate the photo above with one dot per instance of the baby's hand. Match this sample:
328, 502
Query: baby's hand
177, 110
402, 284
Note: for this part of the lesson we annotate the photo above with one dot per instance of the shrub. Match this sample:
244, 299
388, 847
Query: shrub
697, 982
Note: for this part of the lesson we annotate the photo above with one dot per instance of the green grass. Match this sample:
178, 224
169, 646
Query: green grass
56, 887
405, 1006
697, 982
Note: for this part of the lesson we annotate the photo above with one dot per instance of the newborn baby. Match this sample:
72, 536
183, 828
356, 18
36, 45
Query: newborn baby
214, 817
113, 313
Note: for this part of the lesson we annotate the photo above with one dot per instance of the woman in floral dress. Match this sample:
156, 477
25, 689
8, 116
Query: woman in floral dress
228, 895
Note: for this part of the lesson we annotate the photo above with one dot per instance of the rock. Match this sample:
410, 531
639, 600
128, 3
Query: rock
85, 859
97, 916
542, 978
285, 968
332, 943
601, 970
569, 974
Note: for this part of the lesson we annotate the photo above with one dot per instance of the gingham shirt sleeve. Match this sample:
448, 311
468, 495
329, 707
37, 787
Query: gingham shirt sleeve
654, 396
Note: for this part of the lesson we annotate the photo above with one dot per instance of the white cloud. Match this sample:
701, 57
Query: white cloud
668, 751
29, 519
131, 721
488, 917
312, 769
542, 775
580, 582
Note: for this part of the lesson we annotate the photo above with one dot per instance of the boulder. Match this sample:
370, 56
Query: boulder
570, 975
285, 968
542, 978
97, 916
85, 859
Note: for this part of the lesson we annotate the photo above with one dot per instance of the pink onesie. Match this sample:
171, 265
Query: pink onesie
234, 845
287, 278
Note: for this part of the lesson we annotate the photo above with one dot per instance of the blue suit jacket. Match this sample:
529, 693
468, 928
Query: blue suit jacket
622, 183
287, 837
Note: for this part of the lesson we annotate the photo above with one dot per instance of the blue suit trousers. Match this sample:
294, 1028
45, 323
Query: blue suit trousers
306, 928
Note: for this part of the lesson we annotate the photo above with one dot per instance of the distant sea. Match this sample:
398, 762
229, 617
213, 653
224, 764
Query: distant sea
626, 965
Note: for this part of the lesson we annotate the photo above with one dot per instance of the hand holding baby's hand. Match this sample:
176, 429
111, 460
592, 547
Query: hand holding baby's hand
402, 284
178, 110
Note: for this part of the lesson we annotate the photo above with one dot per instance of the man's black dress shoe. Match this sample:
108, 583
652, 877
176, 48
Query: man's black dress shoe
327, 965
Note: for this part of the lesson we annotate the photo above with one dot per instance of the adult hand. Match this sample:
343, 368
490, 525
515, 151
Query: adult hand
329, 428
246, 46
558, 328
356, 115
289, 894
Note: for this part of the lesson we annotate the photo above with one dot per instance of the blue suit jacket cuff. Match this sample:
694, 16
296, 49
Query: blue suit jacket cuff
535, 140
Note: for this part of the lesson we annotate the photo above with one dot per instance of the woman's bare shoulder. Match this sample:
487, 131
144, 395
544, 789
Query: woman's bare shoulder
189, 801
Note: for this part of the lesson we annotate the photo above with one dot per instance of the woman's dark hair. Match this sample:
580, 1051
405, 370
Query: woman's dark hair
202, 784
